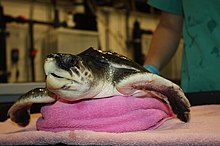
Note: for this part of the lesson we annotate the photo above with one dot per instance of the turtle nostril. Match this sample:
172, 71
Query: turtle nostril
54, 55
51, 56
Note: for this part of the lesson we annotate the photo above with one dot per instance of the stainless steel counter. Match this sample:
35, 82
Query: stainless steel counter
9, 92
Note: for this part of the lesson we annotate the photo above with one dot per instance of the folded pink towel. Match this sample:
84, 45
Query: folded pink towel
202, 130
115, 114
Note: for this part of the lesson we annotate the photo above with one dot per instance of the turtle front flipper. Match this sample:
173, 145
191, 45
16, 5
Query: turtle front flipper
19, 112
141, 83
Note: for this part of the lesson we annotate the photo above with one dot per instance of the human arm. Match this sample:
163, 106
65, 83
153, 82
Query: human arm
165, 40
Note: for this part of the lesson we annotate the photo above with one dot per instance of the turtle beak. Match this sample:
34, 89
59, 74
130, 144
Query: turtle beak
57, 62
49, 65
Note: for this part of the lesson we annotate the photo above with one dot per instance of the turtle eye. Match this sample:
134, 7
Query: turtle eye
101, 59
66, 61
69, 60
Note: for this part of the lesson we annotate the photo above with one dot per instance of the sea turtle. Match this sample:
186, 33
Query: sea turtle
98, 74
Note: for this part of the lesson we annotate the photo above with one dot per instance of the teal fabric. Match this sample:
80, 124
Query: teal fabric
201, 32
171, 6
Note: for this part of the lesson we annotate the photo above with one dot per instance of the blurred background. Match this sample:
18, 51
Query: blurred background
31, 29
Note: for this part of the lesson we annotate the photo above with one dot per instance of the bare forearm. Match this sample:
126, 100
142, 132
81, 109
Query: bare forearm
165, 41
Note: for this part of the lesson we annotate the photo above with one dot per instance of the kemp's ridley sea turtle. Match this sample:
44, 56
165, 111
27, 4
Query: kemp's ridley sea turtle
96, 74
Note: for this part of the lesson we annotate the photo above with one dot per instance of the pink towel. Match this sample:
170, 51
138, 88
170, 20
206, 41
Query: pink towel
115, 114
202, 130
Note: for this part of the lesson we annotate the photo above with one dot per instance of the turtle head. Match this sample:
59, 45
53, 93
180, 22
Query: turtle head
70, 76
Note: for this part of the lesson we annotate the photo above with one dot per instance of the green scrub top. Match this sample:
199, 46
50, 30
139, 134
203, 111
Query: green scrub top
201, 31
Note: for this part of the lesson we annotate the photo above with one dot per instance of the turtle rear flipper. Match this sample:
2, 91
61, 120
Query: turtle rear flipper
19, 112
21, 116
4, 110
146, 82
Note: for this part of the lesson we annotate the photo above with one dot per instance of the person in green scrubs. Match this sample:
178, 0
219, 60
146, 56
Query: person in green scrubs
198, 21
